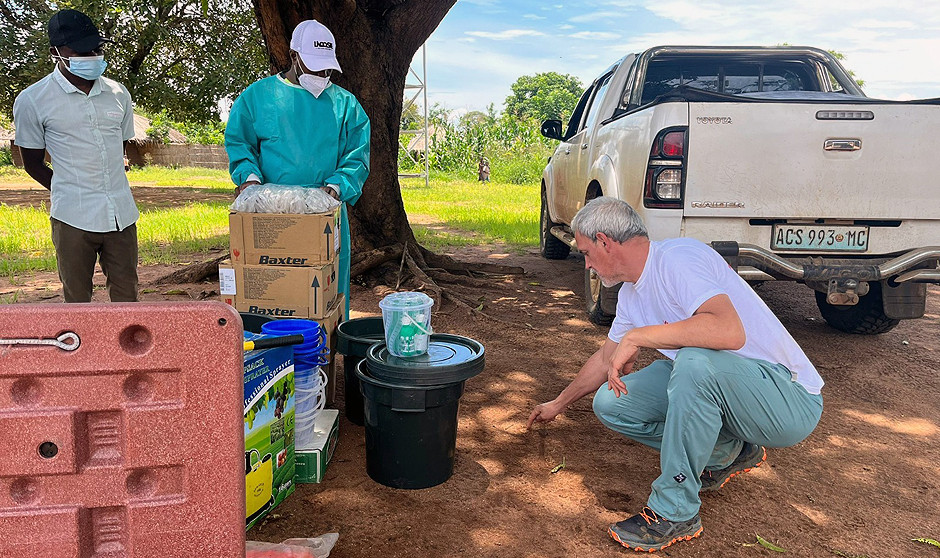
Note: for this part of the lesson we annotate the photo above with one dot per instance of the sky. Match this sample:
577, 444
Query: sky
482, 46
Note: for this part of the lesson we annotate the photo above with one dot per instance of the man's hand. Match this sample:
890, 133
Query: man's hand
621, 364
544, 413
240, 189
331, 190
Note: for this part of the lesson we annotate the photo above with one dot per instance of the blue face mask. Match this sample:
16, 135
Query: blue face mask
85, 67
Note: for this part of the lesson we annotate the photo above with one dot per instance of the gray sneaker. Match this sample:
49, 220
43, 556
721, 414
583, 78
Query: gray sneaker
751, 456
648, 531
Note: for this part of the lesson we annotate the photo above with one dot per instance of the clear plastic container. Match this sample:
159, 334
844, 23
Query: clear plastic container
311, 398
407, 320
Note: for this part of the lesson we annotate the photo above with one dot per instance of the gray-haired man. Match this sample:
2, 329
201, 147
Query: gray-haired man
734, 383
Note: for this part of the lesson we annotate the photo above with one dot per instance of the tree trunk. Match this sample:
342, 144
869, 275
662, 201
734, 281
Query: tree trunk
375, 43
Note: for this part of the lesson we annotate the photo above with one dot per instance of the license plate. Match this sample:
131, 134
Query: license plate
820, 238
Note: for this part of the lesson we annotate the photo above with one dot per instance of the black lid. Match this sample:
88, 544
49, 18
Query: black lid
450, 358
75, 30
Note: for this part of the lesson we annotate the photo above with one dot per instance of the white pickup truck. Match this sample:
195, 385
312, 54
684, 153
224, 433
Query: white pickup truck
775, 157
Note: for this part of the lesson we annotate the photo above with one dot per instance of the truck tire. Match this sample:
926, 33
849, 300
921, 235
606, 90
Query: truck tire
550, 247
866, 318
600, 301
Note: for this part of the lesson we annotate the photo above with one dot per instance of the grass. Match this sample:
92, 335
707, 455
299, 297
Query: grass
164, 235
453, 206
153, 176
453, 211
186, 177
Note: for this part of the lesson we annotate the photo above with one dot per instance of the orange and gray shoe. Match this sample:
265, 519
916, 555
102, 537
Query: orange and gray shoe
648, 531
751, 456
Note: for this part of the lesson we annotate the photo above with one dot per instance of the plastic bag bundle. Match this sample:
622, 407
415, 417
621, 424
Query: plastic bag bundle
316, 547
279, 198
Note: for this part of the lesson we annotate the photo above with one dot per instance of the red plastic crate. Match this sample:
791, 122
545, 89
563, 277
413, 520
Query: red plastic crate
130, 445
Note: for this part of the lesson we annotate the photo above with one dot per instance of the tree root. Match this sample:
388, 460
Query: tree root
361, 263
193, 273
436, 275
451, 265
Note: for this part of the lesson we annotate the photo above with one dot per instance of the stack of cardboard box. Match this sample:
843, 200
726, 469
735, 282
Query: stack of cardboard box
284, 266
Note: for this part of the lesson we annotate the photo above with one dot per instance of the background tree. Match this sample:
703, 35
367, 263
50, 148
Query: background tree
171, 54
841, 58
375, 43
543, 96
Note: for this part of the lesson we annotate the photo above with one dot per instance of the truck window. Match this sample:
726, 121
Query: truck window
595, 108
628, 87
578, 113
732, 78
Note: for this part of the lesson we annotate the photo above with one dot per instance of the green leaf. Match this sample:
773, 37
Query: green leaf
927, 541
558, 467
769, 545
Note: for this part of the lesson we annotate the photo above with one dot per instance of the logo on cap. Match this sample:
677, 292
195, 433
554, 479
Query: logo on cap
323, 44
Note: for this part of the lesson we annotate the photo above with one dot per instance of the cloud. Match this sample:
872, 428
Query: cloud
506, 35
595, 16
595, 35
891, 44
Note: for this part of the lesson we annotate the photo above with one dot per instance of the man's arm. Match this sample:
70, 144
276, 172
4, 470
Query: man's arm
589, 378
715, 325
241, 145
34, 163
353, 166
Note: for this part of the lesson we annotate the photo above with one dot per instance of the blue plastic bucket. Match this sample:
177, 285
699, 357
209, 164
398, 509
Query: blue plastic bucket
309, 354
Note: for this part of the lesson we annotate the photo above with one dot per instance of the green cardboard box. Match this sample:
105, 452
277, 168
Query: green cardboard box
311, 463
269, 429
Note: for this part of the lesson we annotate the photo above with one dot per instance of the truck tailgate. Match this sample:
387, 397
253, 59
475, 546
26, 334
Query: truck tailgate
767, 160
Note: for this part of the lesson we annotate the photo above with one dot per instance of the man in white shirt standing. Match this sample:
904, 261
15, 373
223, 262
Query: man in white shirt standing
84, 121
734, 383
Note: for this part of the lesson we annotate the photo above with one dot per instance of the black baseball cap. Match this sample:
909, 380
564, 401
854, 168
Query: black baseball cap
75, 30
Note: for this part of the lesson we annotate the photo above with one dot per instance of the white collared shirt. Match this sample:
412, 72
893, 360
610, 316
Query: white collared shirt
84, 135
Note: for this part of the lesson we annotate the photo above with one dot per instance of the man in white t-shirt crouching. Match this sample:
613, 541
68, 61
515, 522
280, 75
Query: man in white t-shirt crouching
735, 382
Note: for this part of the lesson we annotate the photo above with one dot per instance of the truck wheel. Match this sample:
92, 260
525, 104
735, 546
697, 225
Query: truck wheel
551, 247
867, 317
601, 301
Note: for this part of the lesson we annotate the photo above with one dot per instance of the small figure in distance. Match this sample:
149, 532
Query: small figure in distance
483, 170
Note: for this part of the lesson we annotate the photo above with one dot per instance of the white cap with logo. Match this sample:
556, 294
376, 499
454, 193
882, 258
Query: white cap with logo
316, 46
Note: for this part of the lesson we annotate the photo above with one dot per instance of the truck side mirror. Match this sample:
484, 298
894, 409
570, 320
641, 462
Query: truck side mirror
552, 129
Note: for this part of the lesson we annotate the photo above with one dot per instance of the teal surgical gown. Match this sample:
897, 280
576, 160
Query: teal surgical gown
284, 135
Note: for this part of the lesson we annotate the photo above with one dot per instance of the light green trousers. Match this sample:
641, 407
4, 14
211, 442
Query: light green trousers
698, 411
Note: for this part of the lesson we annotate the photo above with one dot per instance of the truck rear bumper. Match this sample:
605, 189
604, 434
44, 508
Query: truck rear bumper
920, 265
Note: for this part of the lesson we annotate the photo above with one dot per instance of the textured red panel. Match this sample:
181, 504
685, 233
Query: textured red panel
130, 445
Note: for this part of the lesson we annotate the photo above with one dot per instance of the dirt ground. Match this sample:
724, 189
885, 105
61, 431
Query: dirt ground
864, 483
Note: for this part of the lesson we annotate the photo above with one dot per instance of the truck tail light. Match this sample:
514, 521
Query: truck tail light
665, 174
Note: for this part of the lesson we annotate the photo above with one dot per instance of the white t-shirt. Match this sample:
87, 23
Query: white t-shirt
679, 276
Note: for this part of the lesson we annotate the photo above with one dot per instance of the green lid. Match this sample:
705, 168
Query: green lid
449, 359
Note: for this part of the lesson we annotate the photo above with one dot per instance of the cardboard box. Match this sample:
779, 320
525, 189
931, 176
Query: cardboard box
311, 463
284, 239
329, 323
281, 291
269, 429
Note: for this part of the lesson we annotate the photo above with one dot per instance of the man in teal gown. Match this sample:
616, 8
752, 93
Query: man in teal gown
298, 128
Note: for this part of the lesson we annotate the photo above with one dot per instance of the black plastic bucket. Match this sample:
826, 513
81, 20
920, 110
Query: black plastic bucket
353, 339
411, 431
252, 322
